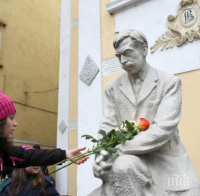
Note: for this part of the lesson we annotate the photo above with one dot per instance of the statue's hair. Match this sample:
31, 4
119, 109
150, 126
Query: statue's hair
134, 34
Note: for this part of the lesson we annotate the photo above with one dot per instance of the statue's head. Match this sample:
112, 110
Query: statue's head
131, 49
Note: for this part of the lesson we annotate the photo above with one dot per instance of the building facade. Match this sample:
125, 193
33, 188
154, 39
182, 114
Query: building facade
45, 45
98, 22
29, 71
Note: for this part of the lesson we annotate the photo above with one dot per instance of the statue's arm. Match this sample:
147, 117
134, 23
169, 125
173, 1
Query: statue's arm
104, 160
164, 126
109, 116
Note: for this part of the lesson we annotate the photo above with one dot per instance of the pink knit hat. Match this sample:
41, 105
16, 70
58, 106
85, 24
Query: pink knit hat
7, 106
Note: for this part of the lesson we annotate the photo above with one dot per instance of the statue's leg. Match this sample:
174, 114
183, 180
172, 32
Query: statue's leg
161, 192
131, 176
191, 192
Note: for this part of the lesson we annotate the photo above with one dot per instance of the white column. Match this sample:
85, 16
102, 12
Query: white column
90, 97
63, 93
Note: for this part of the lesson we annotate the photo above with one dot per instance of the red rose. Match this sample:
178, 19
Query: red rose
144, 124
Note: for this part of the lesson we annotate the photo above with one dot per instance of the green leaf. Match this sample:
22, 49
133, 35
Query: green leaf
97, 150
87, 137
104, 145
102, 140
123, 140
132, 124
123, 124
128, 136
94, 140
102, 132
130, 129
128, 124
112, 150
120, 135
111, 133
112, 138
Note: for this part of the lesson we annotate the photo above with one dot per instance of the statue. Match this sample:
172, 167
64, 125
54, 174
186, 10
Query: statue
155, 162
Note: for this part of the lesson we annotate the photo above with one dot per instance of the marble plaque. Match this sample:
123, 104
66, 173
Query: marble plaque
62, 126
88, 71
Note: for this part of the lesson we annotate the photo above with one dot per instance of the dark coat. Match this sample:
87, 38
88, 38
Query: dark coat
20, 157
7, 170
51, 191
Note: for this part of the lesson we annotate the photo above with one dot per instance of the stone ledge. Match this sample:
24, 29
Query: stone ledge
118, 4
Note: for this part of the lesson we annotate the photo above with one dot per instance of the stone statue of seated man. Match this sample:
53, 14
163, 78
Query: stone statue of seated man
155, 162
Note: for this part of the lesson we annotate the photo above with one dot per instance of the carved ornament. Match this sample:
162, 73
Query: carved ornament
183, 28
88, 71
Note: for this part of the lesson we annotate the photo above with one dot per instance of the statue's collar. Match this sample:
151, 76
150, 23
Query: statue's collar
141, 74
150, 75
147, 86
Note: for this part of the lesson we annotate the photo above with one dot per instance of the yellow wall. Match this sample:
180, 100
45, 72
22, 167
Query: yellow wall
75, 9
73, 111
35, 125
30, 54
72, 170
107, 31
188, 127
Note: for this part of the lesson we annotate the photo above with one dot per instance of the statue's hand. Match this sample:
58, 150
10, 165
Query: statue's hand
103, 163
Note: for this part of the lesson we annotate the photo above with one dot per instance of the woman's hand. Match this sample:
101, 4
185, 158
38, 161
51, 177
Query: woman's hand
75, 152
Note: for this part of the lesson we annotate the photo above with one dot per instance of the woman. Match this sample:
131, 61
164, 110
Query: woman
29, 181
19, 157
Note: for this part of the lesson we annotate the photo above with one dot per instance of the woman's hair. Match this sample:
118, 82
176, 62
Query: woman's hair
5, 144
19, 180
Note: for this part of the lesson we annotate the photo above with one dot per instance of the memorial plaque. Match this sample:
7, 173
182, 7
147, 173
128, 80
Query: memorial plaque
62, 126
88, 71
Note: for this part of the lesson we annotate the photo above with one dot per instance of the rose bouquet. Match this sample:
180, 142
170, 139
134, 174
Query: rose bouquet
110, 140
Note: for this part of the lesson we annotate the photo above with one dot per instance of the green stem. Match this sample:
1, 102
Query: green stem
80, 155
71, 163
113, 142
58, 163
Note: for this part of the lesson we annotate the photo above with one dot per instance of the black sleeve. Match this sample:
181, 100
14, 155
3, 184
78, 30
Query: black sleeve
3, 174
33, 157
7, 170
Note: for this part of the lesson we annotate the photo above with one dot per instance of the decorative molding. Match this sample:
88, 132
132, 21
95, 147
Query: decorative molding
111, 66
28, 142
73, 125
89, 97
74, 22
119, 4
183, 28
62, 126
88, 71
64, 91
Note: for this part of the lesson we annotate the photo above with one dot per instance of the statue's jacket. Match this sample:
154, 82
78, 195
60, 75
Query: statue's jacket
159, 101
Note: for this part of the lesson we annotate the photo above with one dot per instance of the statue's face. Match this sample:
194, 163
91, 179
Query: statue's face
132, 58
